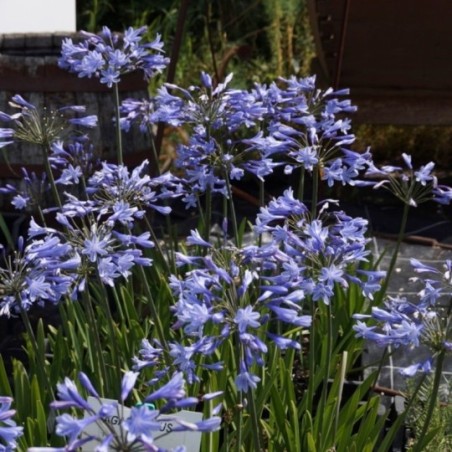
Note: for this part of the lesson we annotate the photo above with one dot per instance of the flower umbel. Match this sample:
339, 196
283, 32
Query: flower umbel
138, 426
108, 56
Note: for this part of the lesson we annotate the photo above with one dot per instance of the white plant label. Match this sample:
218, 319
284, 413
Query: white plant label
169, 440
37, 16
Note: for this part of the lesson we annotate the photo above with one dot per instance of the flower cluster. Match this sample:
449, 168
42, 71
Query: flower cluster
411, 186
304, 132
40, 126
28, 275
253, 131
30, 194
141, 426
313, 254
96, 239
74, 161
117, 427
217, 300
108, 55
233, 293
403, 323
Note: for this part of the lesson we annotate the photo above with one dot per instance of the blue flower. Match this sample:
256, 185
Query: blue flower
71, 427
410, 186
302, 130
9, 431
128, 383
108, 57
196, 239
20, 202
41, 127
142, 425
245, 381
96, 245
411, 371
245, 318
314, 254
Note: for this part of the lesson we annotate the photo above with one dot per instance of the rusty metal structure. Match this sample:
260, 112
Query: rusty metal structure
395, 56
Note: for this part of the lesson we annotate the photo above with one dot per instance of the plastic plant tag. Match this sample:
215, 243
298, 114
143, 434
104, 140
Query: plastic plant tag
169, 440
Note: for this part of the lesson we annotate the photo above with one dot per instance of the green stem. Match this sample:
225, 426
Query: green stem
232, 209
255, 421
111, 327
157, 245
420, 446
261, 204
154, 312
239, 423
312, 351
99, 362
155, 171
341, 390
240, 408
300, 193
400, 237
328, 356
40, 368
208, 215
118, 127
41, 216
261, 192
49, 173
124, 314
315, 192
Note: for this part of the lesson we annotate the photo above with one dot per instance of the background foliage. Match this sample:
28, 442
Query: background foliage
258, 40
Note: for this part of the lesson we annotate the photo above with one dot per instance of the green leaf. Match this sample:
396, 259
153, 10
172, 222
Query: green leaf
5, 387
307, 428
4, 228
311, 443
423, 442
40, 424
278, 412
60, 350
294, 421
371, 426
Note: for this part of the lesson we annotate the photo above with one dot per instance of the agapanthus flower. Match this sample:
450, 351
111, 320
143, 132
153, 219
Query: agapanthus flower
412, 187
30, 194
315, 253
141, 112
442, 194
304, 130
411, 371
114, 184
108, 56
403, 323
9, 430
222, 298
139, 426
97, 236
41, 126
73, 161
220, 119
29, 276
97, 250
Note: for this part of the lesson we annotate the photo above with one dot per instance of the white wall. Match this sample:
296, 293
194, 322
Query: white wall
37, 16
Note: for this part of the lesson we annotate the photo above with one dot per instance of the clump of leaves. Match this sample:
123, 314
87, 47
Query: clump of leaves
440, 428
